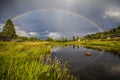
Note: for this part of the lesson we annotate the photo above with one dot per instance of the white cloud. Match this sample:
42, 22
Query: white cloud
33, 34
55, 49
21, 32
54, 35
113, 13
1, 27
25, 33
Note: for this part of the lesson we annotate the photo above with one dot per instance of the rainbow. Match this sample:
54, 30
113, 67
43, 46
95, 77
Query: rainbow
64, 11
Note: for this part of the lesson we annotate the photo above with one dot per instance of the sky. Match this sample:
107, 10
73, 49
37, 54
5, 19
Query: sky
60, 18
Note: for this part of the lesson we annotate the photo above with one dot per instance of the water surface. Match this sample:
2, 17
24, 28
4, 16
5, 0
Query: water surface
100, 66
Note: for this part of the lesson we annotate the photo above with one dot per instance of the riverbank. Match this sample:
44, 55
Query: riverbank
109, 45
29, 61
104, 45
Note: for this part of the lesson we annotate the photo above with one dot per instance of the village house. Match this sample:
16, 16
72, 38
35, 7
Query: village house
4, 37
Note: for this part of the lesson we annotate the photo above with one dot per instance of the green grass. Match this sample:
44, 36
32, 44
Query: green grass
64, 43
30, 61
105, 45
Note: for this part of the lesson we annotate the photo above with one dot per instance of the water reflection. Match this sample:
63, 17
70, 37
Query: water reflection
76, 46
100, 66
113, 51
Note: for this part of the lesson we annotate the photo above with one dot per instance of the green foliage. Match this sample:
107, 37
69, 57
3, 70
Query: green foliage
78, 37
64, 40
33, 39
103, 35
104, 45
22, 38
50, 39
9, 29
74, 38
29, 61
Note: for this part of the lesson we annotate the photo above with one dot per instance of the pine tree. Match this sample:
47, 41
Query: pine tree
9, 29
74, 38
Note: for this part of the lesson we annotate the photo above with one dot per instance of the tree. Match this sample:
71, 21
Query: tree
34, 39
103, 35
64, 39
50, 39
78, 37
74, 38
9, 29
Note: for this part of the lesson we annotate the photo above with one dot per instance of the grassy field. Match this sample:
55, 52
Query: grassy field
30, 61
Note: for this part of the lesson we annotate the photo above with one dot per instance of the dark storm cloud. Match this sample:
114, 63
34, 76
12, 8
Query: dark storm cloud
105, 13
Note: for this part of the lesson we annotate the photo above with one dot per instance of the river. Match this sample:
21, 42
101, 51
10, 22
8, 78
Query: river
100, 65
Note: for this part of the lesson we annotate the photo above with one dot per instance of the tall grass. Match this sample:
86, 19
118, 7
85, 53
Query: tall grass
30, 61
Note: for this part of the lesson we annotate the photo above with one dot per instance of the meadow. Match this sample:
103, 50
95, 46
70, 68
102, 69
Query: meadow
30, 61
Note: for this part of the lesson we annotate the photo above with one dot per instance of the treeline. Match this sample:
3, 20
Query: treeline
113, 33
75, 38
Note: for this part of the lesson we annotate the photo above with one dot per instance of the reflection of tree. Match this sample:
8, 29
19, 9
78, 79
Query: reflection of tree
78, 46
73, 46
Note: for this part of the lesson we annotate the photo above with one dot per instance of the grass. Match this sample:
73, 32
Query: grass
64, 43
30, 61
105, 45
109, 45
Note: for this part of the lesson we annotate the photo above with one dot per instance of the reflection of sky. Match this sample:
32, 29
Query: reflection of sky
55, 49
96, 66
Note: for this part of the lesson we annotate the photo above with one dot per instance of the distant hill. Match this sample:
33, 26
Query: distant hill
113, 33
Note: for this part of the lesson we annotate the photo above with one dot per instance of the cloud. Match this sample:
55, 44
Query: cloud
59, 35
1, 27
26, 34
113, 13
54, 35
55, 49
33, 34
21, 32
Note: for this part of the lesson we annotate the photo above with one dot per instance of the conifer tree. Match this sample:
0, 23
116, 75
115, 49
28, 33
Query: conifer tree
9, 29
